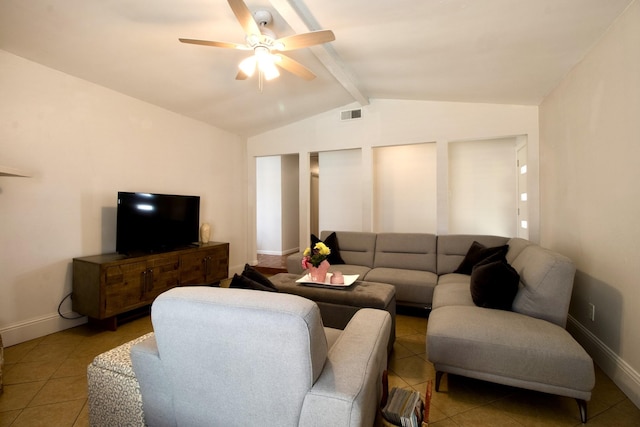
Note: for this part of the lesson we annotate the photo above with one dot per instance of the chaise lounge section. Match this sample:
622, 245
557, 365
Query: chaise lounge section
526, 346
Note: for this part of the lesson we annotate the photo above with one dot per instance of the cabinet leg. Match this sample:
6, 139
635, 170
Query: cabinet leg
109, 323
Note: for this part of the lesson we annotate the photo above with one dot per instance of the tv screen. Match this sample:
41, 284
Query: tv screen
156, 222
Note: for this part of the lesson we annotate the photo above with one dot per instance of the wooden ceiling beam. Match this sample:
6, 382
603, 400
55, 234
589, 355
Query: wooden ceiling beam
300, 19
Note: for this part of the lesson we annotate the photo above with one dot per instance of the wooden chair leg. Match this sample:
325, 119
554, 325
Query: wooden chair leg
582, 405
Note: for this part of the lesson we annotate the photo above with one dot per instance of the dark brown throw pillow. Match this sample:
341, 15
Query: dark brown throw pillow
478, 253
494, 284
256, 276
243, 282
332, 243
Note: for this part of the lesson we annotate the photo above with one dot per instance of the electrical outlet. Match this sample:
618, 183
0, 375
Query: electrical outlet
592, 312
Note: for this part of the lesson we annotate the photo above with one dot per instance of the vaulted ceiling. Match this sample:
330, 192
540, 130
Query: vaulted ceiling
493, 51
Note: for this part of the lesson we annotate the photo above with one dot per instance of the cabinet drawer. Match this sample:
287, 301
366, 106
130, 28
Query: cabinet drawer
162, 275
123, 288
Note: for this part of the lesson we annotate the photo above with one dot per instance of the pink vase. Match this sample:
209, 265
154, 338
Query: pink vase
319, 273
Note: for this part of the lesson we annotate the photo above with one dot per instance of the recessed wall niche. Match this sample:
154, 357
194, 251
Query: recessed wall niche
405, 188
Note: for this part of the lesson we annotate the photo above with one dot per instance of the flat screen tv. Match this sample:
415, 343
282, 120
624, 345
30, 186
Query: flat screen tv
148, 223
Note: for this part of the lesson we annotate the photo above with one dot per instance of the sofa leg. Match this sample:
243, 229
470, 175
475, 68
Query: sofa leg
438, 379
582, 405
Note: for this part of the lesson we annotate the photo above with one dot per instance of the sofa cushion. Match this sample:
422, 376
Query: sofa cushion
478, 253
331, 241
256, 276
412, 286
452, 249
409, 251
356, 248
452, 289
494, 284
516, 245
546, 282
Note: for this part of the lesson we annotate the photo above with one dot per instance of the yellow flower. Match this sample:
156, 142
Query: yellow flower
322, 249
315, 256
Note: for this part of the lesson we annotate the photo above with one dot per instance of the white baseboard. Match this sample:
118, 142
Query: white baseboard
279, 253
39, 327
620, 372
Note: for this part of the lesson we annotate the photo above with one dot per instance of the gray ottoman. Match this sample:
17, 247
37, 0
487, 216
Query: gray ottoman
338, 306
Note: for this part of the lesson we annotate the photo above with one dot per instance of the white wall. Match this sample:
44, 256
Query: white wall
269, 204
483, 187
83, 143
396, 122
277, 204
290, 203
340, 190
405, 188
590, 204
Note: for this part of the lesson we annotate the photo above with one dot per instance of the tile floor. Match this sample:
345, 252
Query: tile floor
45, 384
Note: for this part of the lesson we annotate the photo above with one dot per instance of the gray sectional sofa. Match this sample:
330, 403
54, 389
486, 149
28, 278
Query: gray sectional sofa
525, 345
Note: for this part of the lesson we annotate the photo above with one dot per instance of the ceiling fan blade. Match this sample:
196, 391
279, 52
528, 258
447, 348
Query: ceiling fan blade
216, 44
294, 67
241, 76
245, 17
298, 41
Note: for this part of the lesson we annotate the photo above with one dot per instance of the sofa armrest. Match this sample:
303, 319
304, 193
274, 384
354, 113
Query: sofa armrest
156, 392
349, 389
294, 263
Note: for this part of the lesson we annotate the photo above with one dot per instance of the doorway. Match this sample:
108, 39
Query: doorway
277, 204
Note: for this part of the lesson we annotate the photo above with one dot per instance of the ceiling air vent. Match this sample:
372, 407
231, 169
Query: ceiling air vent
351, 114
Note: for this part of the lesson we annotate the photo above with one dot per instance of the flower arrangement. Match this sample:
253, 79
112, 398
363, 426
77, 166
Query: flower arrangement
315, 257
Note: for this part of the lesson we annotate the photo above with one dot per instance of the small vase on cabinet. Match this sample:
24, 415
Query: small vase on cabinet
205, 233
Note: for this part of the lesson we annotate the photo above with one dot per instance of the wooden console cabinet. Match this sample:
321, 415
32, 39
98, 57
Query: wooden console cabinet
107, 285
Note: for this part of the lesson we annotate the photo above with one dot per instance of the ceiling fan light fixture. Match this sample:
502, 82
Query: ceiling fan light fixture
253, 39
248, 66
269, 70
264, 42
265, 61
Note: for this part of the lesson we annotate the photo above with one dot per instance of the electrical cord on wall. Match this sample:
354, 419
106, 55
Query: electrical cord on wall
60, 306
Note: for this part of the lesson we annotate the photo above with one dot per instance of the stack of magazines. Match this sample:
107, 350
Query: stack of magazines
404, 408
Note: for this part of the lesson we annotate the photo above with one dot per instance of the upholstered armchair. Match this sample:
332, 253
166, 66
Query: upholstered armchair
236, 357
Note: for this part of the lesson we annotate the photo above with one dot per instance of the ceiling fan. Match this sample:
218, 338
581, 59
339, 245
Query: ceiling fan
265, 46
